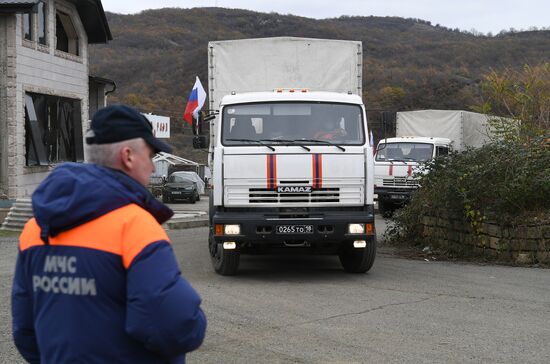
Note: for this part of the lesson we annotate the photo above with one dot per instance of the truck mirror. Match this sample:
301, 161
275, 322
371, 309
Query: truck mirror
200, 142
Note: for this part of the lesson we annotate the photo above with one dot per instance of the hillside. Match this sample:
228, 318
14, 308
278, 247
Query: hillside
408, 63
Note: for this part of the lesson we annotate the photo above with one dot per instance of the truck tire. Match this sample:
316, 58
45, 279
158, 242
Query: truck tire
358, 260
193, 199
225, 262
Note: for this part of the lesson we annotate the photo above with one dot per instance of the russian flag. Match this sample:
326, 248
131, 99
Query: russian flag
195, 102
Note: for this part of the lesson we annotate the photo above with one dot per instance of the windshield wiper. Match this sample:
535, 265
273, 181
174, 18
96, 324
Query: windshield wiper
288, 141
396, 160
322, 142
253, 141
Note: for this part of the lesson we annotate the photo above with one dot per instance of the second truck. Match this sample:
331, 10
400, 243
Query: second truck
292, 167
421, 136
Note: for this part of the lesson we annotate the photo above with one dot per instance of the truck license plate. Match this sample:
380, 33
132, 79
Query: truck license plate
176, 193
398, 197
294, 229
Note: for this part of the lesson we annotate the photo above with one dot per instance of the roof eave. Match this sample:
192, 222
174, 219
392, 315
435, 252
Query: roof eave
22, 7
94, 20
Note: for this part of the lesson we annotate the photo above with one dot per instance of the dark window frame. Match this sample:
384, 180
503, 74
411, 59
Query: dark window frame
42, 23
27, 26
53, 130
440, 148
67, 39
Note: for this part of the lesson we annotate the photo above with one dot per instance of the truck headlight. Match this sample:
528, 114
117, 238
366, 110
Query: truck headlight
232, 229
356, 228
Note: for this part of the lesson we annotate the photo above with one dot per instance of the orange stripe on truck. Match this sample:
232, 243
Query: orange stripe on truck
317, 164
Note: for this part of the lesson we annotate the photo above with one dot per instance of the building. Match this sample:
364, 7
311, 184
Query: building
46, 92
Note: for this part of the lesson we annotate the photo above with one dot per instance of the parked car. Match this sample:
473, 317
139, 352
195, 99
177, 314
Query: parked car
180, 187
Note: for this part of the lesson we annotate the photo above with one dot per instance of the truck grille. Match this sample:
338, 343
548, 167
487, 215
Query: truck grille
399, 182
265, 195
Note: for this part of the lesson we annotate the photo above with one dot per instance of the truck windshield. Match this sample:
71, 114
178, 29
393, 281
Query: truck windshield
416, 152
291, 123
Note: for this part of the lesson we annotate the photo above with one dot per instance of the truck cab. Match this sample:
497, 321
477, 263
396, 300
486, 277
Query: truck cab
292, 173
396, 166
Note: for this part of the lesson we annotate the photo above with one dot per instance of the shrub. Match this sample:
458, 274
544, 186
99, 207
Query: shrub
505, 182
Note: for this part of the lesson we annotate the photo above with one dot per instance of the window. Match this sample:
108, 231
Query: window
440, 150
42, 23
53, 130
27, 26
66, 35
404, 151
308, 123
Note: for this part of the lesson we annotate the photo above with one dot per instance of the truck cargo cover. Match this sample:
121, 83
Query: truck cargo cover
464, 128
267, 64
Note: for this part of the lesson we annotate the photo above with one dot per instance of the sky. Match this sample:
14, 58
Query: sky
482, 15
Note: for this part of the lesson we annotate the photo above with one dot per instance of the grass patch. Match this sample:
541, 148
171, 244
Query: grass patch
9, 234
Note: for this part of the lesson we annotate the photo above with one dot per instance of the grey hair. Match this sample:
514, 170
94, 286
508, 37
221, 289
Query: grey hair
106, 154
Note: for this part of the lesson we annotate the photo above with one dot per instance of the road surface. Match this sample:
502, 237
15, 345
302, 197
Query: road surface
303, 309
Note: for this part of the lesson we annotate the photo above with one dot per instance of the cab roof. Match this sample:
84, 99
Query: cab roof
417, 139
286, 95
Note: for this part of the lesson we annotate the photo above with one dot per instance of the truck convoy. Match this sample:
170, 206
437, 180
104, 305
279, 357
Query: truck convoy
421, 136
292, 167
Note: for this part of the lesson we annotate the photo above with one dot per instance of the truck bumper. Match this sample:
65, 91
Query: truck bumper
394, 195
322, 231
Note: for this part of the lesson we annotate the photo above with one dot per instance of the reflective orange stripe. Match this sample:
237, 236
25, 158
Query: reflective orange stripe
139, 232
30, 236
125, 231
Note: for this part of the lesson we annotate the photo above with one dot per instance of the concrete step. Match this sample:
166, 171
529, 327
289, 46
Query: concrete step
17, 219
12, 227
19, 214
22, 214
8, 228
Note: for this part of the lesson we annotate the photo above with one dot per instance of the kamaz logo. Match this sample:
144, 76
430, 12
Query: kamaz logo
294, 189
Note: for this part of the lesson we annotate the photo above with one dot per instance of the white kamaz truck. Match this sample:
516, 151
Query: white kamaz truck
421, 136
292, 167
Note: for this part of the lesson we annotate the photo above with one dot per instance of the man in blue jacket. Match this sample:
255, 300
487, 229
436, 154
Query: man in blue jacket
96, 280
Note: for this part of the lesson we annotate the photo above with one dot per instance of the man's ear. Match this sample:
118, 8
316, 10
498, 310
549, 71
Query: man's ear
126, 158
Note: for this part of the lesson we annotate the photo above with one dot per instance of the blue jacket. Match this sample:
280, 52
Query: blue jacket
96, 280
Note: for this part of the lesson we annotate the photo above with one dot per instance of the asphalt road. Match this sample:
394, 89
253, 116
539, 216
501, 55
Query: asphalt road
303, 309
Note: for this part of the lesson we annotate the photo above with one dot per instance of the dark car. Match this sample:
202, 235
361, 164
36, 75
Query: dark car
179, 188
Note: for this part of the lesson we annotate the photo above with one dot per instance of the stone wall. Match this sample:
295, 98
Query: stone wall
3, 105
44, 70
7, 102
522, 244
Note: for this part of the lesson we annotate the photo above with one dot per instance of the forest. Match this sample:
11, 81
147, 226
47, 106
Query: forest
408, 64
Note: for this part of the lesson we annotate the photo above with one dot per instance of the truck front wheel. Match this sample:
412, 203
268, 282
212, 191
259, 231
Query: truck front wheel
225, 262
358, 260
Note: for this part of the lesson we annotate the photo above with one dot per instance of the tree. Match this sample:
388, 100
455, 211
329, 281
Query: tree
522, 95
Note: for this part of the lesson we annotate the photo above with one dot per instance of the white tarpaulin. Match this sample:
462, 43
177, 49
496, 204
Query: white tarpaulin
193, 177
266, 64
464, 128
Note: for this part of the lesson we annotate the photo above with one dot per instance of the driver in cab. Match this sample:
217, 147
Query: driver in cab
330, 130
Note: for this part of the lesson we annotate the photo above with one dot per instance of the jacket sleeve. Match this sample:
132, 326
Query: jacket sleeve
22, 314
163, 310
